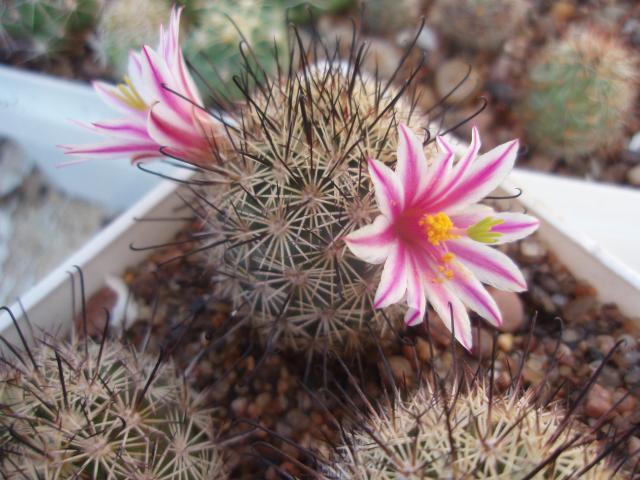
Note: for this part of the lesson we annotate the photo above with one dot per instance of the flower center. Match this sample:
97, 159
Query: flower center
130, 95
437, 227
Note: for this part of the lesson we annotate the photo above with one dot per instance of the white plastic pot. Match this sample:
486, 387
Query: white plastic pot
37, 111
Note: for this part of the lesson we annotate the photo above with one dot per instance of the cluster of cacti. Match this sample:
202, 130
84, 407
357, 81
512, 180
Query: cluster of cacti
213, 44
389, 16
294, 186
43, 29
468, 435
121, 29
479, 24
580, 93
90, 410
303, 11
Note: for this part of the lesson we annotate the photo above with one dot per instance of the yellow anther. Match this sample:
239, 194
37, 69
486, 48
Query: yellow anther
130, 95
437, 227
447, 257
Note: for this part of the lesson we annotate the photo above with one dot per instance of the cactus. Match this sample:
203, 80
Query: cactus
479, 24
390, 16
91, 410
44, 29
468, 435
580, 94
122, 29
221, 27
296, 183
303, 11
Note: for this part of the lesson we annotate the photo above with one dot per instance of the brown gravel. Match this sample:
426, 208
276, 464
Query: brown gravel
266, 399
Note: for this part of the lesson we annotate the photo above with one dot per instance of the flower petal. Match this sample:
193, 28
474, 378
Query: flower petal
471, 215
483, 177
488, 264
388, 189
372, 242
412, 167
115, 149
111, 96
468, 288
393, 282
167, 129
124, 129
416, 300
451, 310
439, 171
514, 227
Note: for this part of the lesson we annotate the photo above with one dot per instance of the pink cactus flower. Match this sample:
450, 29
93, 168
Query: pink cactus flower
434, 238
161, 106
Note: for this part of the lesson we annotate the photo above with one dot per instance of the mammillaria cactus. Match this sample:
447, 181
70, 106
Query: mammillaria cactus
579, 94
100, 410
479, 24
213, 44
468, 435
390, 16
121, 30
42, 29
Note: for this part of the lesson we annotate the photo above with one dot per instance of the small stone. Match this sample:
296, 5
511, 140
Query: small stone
572, 336
532, 250
633, 176
632, 377
533, 371
297, 419
423, 349
609, 376
634, 446
628, 405
401, 370
505, 342
604, 343
239, 406
512, 310
427, 39
599, 401
438, 330
284, 429
382, 56
578, 308
562, 11
450, 74
96, 318
14, 166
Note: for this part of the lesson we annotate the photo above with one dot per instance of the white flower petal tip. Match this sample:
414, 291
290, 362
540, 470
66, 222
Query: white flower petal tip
435, 239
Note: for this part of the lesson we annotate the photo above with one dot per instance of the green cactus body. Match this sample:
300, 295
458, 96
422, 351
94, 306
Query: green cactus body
221, 27
295, 184
469, 436
123, 27
106, 413
479, 24
385, 17
580, 94
46, 28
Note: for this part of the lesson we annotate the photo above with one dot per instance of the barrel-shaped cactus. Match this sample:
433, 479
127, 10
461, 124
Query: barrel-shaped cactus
580, 94
101, 410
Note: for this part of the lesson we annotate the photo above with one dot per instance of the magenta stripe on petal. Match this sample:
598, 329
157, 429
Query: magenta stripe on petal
511, 227
398, 270
472, 257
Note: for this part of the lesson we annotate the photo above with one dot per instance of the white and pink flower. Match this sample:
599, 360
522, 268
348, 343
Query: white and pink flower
160, 102
434, 237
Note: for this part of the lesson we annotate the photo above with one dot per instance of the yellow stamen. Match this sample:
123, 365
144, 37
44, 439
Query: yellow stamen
447, 257
437, 227
130, 95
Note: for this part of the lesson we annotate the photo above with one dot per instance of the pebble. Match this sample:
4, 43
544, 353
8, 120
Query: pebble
599, 401
14, 166
628, 405
104, 299
572, 336
427, 39
532, 251
578, 308
423, 349
633, 176
604, 343
563, 11
512, 309
451, 74
439, 332
632, 377
239, 406
505, 342
634, 446
383, 56
401, 370
533, 371
482, 343
297, 419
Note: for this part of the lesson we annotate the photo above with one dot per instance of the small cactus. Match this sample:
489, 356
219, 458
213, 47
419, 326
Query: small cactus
479, 24
91, 410
212, 45
122, 29
580, 94
280, 204
385, 17
468, 435
44, 29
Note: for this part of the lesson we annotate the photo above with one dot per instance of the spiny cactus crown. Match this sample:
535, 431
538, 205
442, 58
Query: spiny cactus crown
479, 24
121, 30
580, 94
45, 28
221, 28
89, 410
294, 185
469, 435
